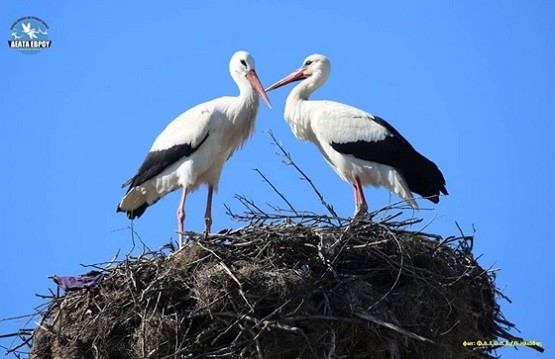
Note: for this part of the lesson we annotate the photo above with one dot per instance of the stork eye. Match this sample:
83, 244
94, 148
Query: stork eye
243, 62
308, 62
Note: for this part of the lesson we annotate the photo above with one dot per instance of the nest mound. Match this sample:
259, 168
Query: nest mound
307, 290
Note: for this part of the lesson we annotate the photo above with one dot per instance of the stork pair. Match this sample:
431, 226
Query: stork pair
362, 148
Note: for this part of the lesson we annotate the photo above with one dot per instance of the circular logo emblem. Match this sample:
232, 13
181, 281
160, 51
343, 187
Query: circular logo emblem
29, 35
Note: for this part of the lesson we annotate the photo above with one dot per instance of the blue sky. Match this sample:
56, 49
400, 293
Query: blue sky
470, 84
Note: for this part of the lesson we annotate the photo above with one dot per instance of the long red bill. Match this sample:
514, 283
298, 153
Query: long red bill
255, 83
292, 77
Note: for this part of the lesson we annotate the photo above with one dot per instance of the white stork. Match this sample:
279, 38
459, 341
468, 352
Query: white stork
193, 148
362, 148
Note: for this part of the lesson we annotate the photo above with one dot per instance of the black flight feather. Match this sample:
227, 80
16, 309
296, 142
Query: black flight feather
154, 164
422, 175
157, 161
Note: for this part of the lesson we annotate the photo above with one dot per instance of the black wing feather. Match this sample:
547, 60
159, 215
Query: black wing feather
157, 161
422, 175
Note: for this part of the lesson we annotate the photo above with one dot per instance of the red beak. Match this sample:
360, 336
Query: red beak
255, 83
295, 76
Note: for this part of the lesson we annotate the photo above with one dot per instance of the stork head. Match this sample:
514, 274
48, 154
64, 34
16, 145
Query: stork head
314, 71
242, 70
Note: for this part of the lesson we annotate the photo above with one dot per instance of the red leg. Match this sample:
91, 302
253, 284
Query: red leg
357, 198
208, 213
181, 217
360, 201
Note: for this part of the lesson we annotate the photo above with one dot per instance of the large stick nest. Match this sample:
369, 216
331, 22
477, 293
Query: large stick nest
318, 287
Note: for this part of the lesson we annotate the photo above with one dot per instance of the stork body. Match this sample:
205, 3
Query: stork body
362, 148
193, 148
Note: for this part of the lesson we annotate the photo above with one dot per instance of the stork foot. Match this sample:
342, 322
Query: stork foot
181, 239
180, 227
361, 211
208, 226
181, 218
361, 208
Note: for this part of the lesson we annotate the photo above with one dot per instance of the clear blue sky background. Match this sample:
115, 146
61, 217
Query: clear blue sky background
470, 83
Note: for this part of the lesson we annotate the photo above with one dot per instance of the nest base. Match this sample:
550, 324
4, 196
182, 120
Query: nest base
370, 290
